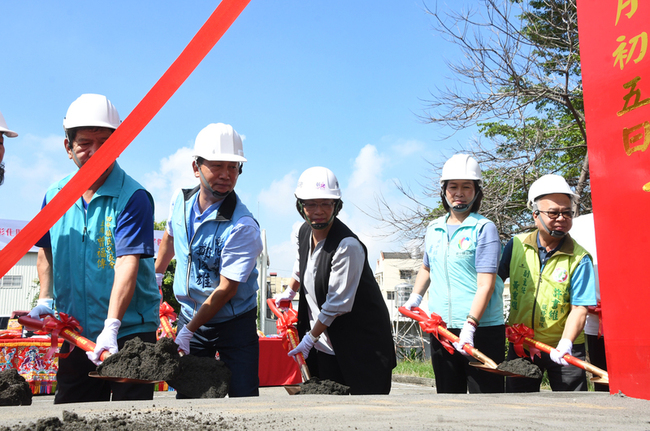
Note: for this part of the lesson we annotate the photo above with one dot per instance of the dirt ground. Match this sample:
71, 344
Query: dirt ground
408, 407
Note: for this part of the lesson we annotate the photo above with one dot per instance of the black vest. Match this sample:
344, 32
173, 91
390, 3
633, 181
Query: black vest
362, 339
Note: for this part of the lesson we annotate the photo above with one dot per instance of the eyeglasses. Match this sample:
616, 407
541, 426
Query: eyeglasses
312, 206
555, 214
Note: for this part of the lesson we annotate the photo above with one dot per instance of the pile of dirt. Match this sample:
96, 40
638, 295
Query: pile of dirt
136, 421
14, 389
144, 361
201, 378
316, 386
521, 366
191, 376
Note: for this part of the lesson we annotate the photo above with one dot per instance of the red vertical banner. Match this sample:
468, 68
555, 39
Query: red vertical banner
616, 79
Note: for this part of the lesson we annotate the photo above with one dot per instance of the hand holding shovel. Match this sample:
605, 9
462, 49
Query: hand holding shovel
519, 334
436, 326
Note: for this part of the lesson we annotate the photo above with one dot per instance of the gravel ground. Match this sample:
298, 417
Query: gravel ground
408, 407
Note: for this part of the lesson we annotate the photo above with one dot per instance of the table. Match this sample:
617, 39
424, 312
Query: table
27, 356
276, 368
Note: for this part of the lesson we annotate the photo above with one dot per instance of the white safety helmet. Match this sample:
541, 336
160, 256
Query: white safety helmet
91, 110
461, 167
4, 130
219, 142
549, 184
318, 183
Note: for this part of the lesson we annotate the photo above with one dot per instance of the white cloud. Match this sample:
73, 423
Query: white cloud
278, 200
175, 172
405, 148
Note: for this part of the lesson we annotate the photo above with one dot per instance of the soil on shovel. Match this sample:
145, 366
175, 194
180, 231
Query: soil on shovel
143, 361
316, 386
189, 375
521, 366
201, 378
14, 389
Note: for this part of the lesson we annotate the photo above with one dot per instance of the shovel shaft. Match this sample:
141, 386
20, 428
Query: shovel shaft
570, 359
292, 338
67, 334
421, 316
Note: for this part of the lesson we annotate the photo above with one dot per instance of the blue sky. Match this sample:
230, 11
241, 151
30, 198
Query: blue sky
332, 83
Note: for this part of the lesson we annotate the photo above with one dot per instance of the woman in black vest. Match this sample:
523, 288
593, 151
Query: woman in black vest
342, 318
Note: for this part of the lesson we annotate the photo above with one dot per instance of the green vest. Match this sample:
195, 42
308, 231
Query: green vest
542, 301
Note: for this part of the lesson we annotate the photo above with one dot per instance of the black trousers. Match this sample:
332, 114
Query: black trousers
561, 378
454, 374
327, 367
74, 386
596, 349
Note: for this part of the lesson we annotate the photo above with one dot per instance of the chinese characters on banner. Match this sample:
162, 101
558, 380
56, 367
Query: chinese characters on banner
616, 80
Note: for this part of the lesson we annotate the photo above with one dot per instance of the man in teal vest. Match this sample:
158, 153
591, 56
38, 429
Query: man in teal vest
551, 284
96, 262
216, 242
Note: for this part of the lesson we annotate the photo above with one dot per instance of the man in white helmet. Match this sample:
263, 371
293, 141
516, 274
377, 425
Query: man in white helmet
552, 283
4, 131
96, 263
342, 317
216, 242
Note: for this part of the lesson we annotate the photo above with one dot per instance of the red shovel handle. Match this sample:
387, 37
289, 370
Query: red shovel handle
570, 359
71, 336
291, 333
418, 314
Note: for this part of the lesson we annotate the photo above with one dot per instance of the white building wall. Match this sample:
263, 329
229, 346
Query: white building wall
14, 297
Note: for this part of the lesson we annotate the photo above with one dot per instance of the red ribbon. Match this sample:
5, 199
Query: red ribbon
598, 312
54, 327
167, 311
284, 324
431, 326
517, 334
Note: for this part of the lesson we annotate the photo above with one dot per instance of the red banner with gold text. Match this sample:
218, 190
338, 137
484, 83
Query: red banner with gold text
616, 78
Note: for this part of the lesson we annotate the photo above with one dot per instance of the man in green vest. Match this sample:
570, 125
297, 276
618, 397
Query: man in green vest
96, 263
551, 285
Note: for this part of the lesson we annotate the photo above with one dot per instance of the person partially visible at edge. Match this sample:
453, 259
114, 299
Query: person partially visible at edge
459, 268
96, 263
216, 242
583, 231
4, 131
343, 321
551, 285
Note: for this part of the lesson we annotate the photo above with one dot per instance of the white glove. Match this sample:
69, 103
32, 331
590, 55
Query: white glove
413, 301
304, 347
107, 340
183, 340
43, 306
159, 279
466, 337
288, 294
563, 347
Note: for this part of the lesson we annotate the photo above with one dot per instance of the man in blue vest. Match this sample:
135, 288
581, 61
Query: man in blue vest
96, 263
216, 242
4, 131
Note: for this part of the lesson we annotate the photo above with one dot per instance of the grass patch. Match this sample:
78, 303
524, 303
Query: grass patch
414, 368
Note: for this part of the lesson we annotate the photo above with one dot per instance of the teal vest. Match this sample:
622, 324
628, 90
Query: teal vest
453, 273
198, 260
83, 257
